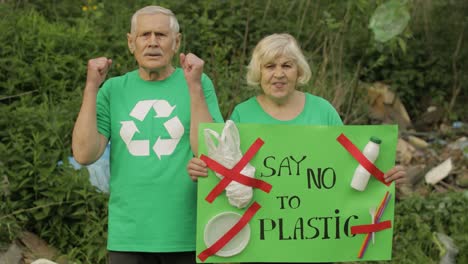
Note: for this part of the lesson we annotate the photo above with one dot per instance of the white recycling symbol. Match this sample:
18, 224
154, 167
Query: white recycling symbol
162, 146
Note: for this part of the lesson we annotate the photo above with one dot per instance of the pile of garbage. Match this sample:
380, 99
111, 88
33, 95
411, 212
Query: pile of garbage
434, 153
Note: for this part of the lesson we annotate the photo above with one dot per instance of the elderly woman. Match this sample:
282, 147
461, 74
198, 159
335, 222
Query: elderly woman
278, 66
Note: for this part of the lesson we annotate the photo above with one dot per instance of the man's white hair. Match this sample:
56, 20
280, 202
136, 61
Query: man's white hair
151, 10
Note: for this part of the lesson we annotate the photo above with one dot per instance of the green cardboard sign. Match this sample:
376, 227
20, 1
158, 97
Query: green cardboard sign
308, 214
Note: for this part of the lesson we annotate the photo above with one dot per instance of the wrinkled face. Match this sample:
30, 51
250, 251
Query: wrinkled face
279, 77
154, 43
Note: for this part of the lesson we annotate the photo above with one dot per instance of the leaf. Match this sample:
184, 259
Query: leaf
402, 45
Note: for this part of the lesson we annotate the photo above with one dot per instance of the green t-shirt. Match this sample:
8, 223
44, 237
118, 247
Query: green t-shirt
317, 111
152, 206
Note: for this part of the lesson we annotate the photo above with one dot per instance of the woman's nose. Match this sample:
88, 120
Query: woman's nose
278, 73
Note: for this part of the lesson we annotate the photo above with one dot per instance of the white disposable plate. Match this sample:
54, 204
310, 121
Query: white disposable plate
218, 226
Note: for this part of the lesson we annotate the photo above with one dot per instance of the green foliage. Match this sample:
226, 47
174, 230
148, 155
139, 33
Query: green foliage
417, 219
46, 44
426, 65
57, 203
40, 91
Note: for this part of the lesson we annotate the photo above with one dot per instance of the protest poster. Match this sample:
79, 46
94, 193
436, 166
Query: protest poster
310, 209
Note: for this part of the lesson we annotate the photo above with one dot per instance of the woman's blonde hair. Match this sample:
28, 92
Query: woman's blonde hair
271, 47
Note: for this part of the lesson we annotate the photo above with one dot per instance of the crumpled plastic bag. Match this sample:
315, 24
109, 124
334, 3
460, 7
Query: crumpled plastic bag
389, 20
99, 171
447, 247
227, 153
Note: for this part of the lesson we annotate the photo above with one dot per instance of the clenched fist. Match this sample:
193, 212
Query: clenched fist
97, 71
193, 68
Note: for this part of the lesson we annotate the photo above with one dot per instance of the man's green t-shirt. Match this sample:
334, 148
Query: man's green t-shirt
317, 111
152, 206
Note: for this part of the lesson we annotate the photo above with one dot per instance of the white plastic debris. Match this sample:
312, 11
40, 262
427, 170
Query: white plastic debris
43, 261
418, 142
361, 175
227, 153
449, 250
438, 173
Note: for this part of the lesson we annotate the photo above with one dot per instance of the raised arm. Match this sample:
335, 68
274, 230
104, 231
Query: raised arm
87, 143
199, 113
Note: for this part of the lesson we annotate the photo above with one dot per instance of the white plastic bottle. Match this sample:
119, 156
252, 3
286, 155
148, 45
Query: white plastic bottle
361, 175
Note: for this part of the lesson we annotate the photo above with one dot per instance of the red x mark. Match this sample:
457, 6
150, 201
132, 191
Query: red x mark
234, 173
365, 229
368, 229
231, 233
357, 154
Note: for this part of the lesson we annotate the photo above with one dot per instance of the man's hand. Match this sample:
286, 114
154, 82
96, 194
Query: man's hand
193, 68
97, 71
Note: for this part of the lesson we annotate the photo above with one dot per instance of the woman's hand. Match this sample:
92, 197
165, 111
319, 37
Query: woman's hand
396, 174
197, 168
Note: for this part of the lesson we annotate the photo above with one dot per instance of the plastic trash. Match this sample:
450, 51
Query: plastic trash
389, 20
448, 249
361, 175
372, 214
439, 172
461, 144
43, 261
227, 153
457, 124
99, 171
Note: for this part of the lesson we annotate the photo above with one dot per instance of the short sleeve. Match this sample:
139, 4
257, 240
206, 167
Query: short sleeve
211, 99
334, 118
235, 116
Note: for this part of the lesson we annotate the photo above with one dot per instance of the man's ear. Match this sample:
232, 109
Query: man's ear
131, 43
177, 41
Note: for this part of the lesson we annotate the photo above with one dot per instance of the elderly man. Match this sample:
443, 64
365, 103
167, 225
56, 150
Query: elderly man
151, 118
